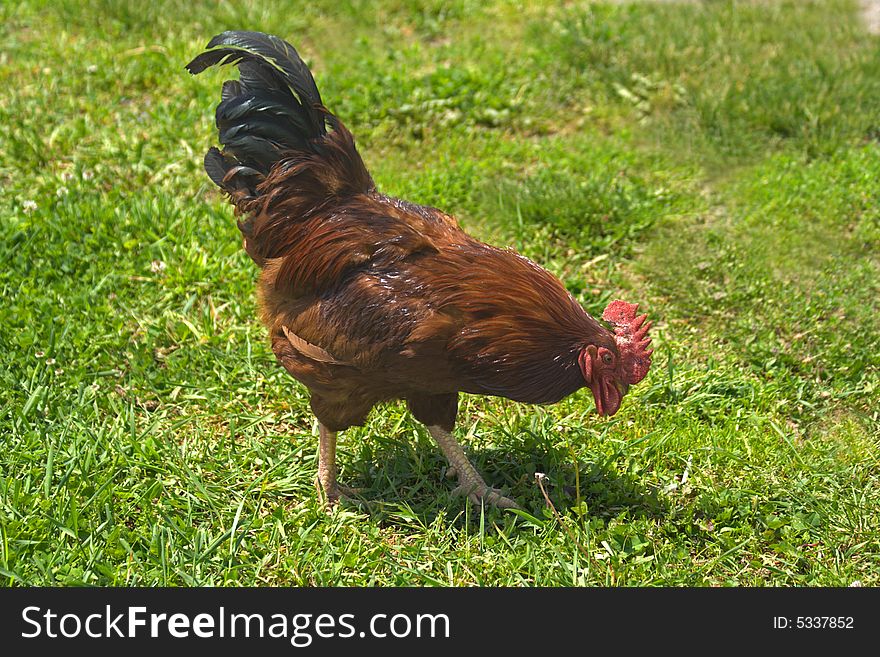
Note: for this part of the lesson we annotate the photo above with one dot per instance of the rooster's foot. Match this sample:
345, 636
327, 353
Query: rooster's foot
479, 493
470, 483
333, 494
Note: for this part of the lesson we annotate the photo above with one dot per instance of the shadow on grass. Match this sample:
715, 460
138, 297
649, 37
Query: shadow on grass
411, 477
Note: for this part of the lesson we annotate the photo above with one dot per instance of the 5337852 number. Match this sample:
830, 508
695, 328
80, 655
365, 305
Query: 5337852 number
823, 622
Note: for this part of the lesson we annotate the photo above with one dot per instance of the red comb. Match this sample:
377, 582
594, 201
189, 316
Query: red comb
631, 335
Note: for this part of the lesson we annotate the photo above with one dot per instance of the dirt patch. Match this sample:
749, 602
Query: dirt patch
871, 14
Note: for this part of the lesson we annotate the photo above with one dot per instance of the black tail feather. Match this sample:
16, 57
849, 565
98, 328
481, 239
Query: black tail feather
216, 166
284, 155
229, 175
231, 89
274, 107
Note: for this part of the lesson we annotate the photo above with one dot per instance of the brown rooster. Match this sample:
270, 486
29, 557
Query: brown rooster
369, 298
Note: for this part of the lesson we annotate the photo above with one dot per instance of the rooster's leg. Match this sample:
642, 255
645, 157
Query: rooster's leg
333, 492
470, 482
327, 465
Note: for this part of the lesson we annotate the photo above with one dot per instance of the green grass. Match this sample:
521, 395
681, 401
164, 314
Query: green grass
717, 162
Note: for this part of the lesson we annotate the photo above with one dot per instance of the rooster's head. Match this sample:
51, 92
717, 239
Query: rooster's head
611, 369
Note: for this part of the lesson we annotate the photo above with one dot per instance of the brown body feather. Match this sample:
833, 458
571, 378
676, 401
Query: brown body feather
369, 298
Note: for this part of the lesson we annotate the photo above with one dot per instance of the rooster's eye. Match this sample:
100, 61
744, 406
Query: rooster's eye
607, 358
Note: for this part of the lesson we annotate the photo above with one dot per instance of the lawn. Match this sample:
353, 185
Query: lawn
717, 162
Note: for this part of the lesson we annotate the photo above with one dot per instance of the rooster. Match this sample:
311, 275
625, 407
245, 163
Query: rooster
369, 298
